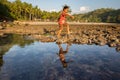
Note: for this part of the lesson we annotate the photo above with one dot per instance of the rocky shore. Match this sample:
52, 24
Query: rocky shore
99, 34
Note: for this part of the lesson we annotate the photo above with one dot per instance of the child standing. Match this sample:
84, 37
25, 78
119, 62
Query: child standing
62, 20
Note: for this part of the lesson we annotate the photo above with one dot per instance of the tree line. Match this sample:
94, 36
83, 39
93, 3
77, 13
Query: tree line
100, 15
18, 10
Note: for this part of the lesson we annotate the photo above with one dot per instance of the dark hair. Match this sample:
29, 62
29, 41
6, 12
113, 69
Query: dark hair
65, 7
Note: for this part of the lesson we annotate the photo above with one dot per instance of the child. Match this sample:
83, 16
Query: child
62, 20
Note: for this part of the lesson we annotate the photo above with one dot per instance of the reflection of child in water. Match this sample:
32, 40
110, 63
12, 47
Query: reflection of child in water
62, 55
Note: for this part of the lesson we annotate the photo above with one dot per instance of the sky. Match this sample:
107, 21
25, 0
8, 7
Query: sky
77, 6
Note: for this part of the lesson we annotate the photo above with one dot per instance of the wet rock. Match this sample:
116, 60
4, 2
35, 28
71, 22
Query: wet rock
59, 41
81, 34
1, 34
112, 44
101, 43
36, 36
89, 41
117, 40
118, 49
48, 39
76, 40
1, 27
118, 37
100, 40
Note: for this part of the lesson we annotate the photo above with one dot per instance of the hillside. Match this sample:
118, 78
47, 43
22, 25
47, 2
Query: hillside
100, 15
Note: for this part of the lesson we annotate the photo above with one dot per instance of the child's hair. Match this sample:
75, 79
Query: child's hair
65, 7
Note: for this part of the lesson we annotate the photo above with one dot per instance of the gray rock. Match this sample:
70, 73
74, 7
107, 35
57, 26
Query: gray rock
118, 49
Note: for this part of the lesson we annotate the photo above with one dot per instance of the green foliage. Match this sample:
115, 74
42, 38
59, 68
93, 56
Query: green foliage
23, 11
19, 10
4, 10
100, 15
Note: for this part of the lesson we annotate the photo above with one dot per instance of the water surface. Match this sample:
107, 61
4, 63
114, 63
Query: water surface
34, 60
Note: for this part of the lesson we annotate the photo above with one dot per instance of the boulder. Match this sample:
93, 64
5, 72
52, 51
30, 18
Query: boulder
118, 48
1, 27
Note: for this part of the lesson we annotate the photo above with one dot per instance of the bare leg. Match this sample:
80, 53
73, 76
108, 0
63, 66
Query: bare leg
68, 29
60, 30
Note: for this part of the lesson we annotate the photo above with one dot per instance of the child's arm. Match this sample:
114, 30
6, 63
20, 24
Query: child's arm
70, 15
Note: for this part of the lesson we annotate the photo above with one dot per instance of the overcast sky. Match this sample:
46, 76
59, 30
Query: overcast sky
77, 6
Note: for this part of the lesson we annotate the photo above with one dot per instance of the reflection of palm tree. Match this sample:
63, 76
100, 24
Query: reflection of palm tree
62, 54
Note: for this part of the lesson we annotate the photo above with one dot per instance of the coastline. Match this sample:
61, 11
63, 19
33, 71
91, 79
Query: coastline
81, 33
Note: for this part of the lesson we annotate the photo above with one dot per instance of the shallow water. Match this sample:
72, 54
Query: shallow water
34, 60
